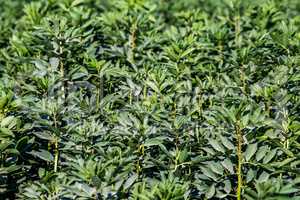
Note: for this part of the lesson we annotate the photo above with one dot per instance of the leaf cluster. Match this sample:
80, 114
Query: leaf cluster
149, 99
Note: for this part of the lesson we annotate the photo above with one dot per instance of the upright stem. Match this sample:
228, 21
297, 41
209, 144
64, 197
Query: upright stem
101, 92
56, 150
62, 70
130, 97
200, 104
240, 160
56, 154
132, 40
98, 98
64, 97
237, 125
63, 89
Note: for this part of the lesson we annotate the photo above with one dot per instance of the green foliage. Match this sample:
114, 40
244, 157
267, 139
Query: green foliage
149, 99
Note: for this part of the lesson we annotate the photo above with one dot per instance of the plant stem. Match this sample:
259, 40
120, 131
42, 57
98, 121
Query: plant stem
237, 125
240, 159
62, 70
101, 92
145, 92
98, 98
130, 97
132, 40
56, 154
56, 151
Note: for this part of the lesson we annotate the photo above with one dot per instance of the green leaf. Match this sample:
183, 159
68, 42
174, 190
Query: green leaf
282, 163
288, 189
77, 2
8, 122
3, 102
10, 169
228, 165
5, 132
209, 173
164, 149
43, 154
251, 174
216, 167
216, 145
54, 62
14, 152
21, 144
153, 86
211, 192
227, 187
154, 141
5, 144
263, 177
227, 143
129, 182
41, 172
261, 153
269, 156
250, 151
44, 136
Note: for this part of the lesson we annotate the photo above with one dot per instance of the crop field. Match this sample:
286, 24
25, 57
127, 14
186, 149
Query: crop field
149, 99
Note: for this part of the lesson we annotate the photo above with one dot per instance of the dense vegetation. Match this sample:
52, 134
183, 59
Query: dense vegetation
150, 99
